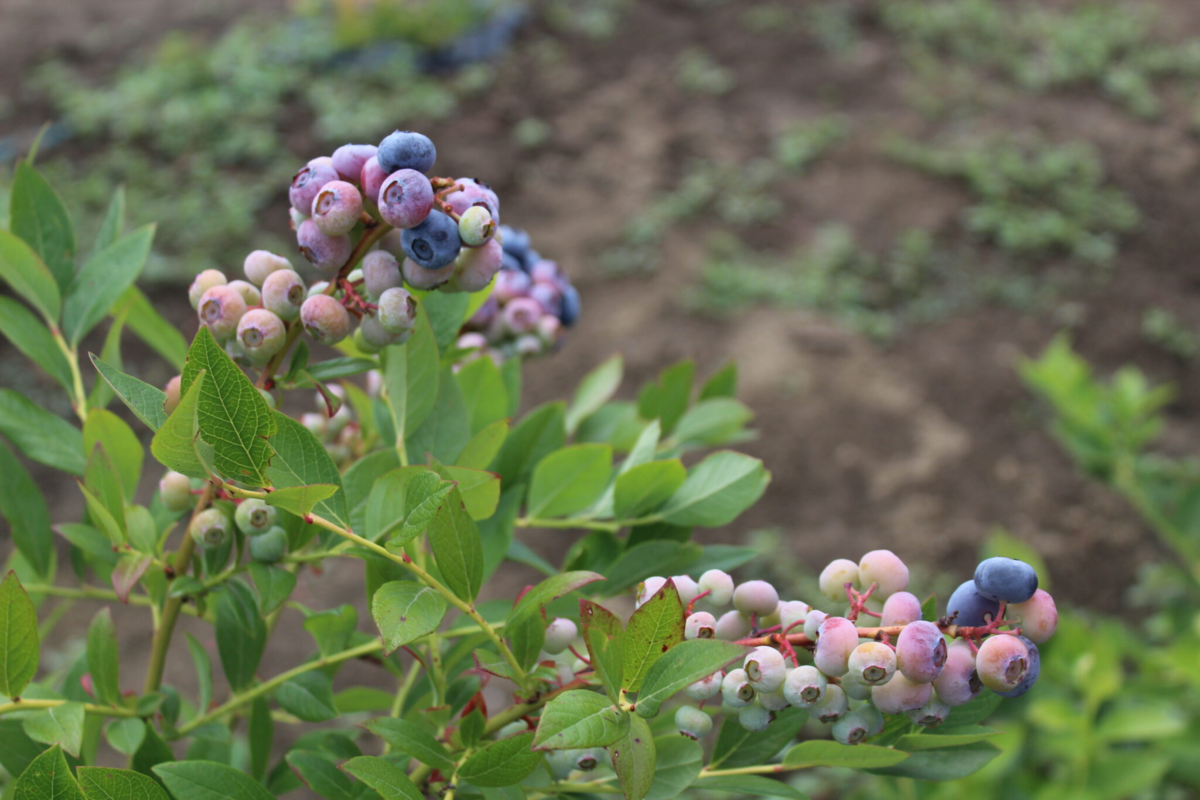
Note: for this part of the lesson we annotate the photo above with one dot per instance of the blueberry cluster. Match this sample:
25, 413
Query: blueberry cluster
214, 527
531, 304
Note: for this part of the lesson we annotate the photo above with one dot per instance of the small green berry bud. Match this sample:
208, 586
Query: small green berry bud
253, 516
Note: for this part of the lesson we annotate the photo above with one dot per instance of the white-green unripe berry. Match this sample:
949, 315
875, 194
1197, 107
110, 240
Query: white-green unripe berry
262, 335
773, 701
248, 291
812, 623
854, 728
931, 714
318, 288
588, 759
792, 614
559, 635
732, 626
854, 688
765, 669
397, 311
706, 688
873, 717
175, 491
754, 717
561, 763
832, 705
269, 547
372, 337
253, 517
700, 625
755, 597
836, 575
476, 226
805, 686
283, 293
260, 264
210, 528
202, 283
872, 663
736, 690
649, 588
719, 585
686, 587
692, 722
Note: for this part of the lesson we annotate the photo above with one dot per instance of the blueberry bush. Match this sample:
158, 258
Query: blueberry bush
407, 315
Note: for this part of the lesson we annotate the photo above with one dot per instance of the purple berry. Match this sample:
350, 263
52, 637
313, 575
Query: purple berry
173, 389
511, 284
221, 308
372, 178
477, 266
920, 651
471, 341
259, 265
420, 278
1031, 674
175, 492
968, 607
1002, 662
397, 311
872, 663
308, 181
836, 640
548, 297
381, 271
202, 283
900, 609
434, 242
755, 597
1005, 580
327, 254
546, 271
958, 684
261, 334
700, 625
476, 226
473, 193
406, 150
1037, 617
900, 694
570, 306
283, 293
337, 207
549, 330
325, 319
805, 686
521, 315
885, 569
349, 159
836, 575
405, 199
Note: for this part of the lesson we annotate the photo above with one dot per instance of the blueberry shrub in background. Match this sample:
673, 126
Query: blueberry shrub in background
420, 473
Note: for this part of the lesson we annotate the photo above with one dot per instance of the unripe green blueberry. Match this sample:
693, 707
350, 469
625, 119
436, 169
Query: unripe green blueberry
397, 311
260, 264
686, 587
765, 669
958, 684
836, 575
210, 528
336, 208
381, 271
261, 334
371, 336
812, 623
1037, 616
649, 588
773, 701
561, 763
832, 705
476, 226
267, 397
900, 609
754, 717
283, 293
854, 688
804, 686
700, 625
793, 613
719, 585
326, 253
755, 597
269, 547
248, 291
921, 651
512, 729
174, 387
900, 694
853, 728
872, 663
692, 722
836, 639
175, 491
736, 690
319, 288
588, 759
732, 626
253, 517
325, 319
930, 715
528, 345
559, 635
885, 569
419, 277
221, 309
202, 283
706, 688
238, 353
1002, 662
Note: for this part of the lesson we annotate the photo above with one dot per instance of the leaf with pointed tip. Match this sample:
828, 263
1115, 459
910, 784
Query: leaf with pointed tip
19, 648
29, 335
480, 490
105, 783
300, 500
28, 276
102, 280
654, 629
683, 664
605, 641
483, 447
596, 389
717, 490
47, 778
633, 758
60, 725
411, 740
145, 401
580, 718
22, 504
41, 435
505, 762
40, 217
103, 658
454, 540
301, 460
569, 480
209, 780
384, 777
129, 570
308, 696
550, 589
125, 736
175, 442
405, 611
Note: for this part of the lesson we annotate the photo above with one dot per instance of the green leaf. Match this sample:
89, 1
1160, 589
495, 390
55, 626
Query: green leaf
527, 638
667, 399
580, 718
384, 777
483, 447
145, 401
645, 488
717, 490
22, 505
357, 699
60, 725
19, 648
308, 696
28, 276
103, 658
153, 751
388, 505
936, 741
973, 712
538, 434
17, 751
114, 222
655, 628
424, 496
633, 759
454, 540
233, 417
260, 731
723, 383
824, 753
241, 635
677, 763
569, 480
504, 762
410, 373
176, 443
19, 325
301, 460
1141, 722
204, 675
301, 500
657, 557
47, 778
405, 611
102, 280
126, 735
749, 784
484, 394
929, 609
550, 589
208, 780
104, 783
683, 664
948, 764
411, 740
737, 747
445, 312
39, 216
447, 429
596, 389
149, 326
42, 436
712, 422
605, 641
480, 489
273, 584
120, 443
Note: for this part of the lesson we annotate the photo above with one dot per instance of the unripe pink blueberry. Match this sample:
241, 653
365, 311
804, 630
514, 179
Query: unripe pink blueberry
253, 517
248, 291
371, 179
700, 625
930, 715
325, 319
732, 626
836, 640
900, 609
885, 569
836, 575
812, 623
755, 597
687, 588
1037, 616
259, 265
832, 705
559, 635
736, 690
521, 315
765, 669
477, 266
327, 254
381, 271
471, 341
921, 651
405, 199
958, 684
1002, 662
692, 722
202, 283
397, 311
473, 193
804, 686
210, 528
418, 277
308, 181
221, 308
261, 334
476, 226
546, 271
706, 688
550, 330
510, 284
792, 614
349, 159
872, 663
754, 718
649, 588
175, 491
283, 293
336, 208
174, 387
900, 694
719, 585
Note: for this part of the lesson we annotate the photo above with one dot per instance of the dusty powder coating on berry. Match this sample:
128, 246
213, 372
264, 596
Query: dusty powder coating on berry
372, 179
1005, 579
261, 264
307, 182
434, 242
900, 609
261, 334
420, 278
477, 267
325, 319
349, 159
406, 150
202, 283
968, 607
405, 199
921, 651
381, 271
900, 694
1002, 662
221, 308
477, 226
326, 253
337, 207
283, 293
397, 311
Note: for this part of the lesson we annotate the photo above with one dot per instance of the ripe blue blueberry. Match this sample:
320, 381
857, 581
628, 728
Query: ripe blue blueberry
406, 150
548, 297
969, 607
516, 241
270, 546
434, 243
570, 305
1005, 579
253, 517
692, 722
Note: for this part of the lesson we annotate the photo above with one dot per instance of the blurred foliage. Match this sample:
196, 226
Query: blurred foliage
697, 72
1162, 328
596, 19
430, 23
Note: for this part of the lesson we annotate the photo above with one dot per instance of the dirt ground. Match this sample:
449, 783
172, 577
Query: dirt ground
924, 446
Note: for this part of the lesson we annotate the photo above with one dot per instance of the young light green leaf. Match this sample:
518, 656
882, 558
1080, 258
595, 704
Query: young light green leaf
384, 777
405, 611
145, 401
425, 494
387, 504
19, 325
28, 276
19, 648
60, 725
103, 518
209, 780
633, 759
149, 326
653, 630
824, 753
714, 421
103, 658
445, 311
667, 399
175, 442
308, 696
241, 634
723, 383
125, 735
569, 480
677, 763
504, 762
42, 436
483, 447
684, 663
596, 389
47, 778
717, 490
39, 216
301, 460
580, 718
22, 504
550, 589
410, 373
540, 432
120, 443
273, 584
484, 394
102, 280
605, 641
105, 783
411, 740
643, 489
301, 500
454, 540
204, 678
113, 225
480, 489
